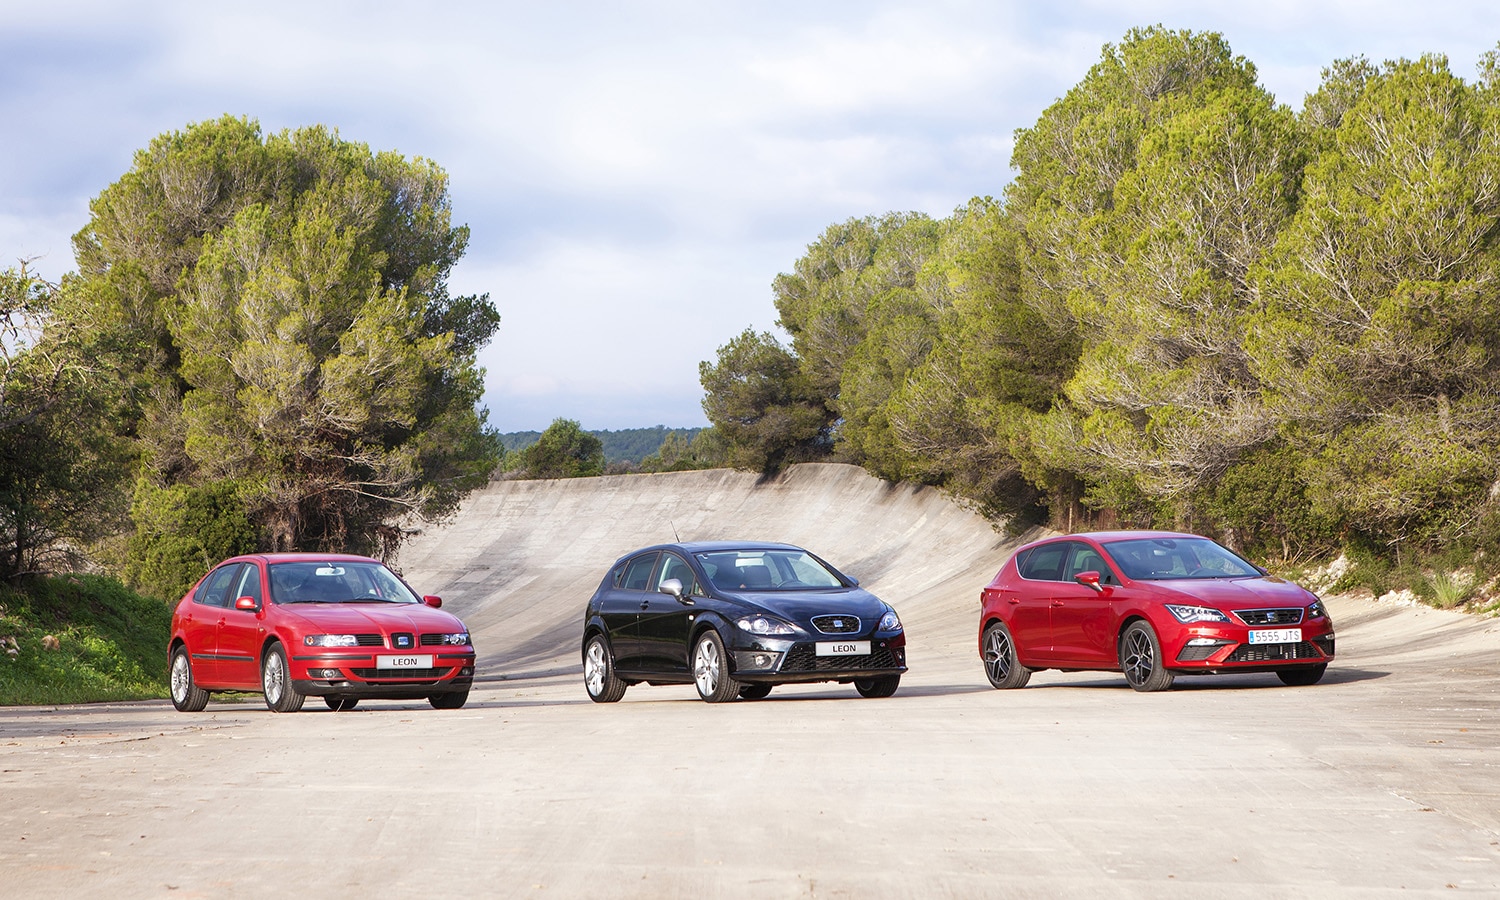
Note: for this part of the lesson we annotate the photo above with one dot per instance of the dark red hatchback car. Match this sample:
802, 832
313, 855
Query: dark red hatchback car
1151, 604
295, 625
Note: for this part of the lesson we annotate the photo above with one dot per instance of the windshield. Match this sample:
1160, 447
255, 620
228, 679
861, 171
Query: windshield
1157, 559
767, 570
337, 582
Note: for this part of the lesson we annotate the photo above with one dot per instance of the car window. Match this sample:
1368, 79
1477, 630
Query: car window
1153, 559
767, 570
1045, 563
248, 584
215, 590
1083, 558
637, 575
347, 581
674, 566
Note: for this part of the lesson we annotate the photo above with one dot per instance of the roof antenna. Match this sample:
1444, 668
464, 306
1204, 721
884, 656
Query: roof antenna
674, 531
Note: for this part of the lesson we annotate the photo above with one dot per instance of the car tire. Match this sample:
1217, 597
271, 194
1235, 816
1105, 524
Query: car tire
186, 695
276, 682
755, 691
874, 688
449, 699
1302, 676
341, 704
1140, 658
1001, 666
599, 677
711, 669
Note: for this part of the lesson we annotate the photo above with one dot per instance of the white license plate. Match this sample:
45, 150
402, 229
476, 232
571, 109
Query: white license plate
1276, 636
843, 648
403, 662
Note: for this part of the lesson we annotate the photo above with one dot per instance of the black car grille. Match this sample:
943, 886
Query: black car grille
399, 674
836, 624
370, 640
802, 658
1269, 616
432, 640
1325, 644
1271, 652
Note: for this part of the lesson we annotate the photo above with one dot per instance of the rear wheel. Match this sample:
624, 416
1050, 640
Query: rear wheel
186, 695
1302, 676
1140, 658
755, 691
711, 669
341, 704
449, 699
276, 682
1000, 663
599, 677
883, 686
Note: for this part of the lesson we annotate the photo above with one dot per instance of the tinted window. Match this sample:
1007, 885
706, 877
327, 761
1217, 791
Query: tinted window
215, 590
1154, 559
767, 570
637, 576
674, 566
1083, 558
249, 585
1045, 563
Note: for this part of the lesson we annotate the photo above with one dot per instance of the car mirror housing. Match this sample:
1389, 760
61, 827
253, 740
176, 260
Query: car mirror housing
432, 601
1089, 579
673, 587
247, 603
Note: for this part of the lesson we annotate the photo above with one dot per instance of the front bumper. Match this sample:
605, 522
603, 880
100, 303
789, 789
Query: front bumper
357, 675
759, 660
1209, 649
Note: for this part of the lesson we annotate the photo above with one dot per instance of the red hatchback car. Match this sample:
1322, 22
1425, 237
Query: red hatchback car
294, 625
1151, 604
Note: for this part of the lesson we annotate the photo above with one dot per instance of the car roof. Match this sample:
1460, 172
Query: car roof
305, 557
1103, 537
691, 547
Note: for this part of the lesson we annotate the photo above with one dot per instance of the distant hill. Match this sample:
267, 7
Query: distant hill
626, 445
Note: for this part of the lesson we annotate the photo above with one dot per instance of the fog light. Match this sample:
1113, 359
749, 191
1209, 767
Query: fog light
466, 670
323, 673
756, 660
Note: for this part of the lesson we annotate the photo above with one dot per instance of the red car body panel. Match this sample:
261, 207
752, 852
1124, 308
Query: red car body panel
1060, 623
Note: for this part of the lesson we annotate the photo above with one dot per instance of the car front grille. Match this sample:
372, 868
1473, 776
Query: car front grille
836, 624
1272, 652
802, 658
431, 640
399, 674
370, 640
1291, 616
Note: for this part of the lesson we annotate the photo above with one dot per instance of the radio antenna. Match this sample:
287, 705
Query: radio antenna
674, 531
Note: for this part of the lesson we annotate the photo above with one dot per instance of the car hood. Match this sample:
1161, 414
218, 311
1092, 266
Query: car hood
801, 606
1233, 593
354, 618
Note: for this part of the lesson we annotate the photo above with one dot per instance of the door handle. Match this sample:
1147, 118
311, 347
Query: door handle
1056, 603
645, 604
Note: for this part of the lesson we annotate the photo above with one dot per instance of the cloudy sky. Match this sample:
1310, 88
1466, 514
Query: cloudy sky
634, 174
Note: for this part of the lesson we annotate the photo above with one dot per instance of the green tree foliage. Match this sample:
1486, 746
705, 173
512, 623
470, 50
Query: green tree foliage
285, 302
768, 411
564, 450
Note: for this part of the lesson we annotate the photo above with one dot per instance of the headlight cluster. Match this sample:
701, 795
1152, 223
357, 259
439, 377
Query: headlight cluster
1316, 610
889, 622
765, 625
331, 640
1189, 614
457, 639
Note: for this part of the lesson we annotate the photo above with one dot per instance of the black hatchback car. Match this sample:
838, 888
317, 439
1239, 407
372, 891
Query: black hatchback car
736, 619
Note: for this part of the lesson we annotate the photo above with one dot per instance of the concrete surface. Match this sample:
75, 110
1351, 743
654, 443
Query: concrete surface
1383, 780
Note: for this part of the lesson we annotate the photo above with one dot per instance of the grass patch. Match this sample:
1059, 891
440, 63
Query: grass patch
106, 642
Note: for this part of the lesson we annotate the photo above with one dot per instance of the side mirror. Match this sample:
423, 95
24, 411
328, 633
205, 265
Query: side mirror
247, 603
432, 601
1089, 579
673, 588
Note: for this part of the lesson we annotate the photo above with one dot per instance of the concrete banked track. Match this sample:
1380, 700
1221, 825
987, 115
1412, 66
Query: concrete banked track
522, 557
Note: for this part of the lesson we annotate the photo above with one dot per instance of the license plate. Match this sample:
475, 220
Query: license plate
1276, 636
403, 662
843, 648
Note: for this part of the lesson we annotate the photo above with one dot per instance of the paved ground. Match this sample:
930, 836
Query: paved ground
1384, 780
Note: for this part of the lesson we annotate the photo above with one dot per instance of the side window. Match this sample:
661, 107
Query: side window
674, 566
1045, 563
1084, 558
216, 587
249, 585
638, 573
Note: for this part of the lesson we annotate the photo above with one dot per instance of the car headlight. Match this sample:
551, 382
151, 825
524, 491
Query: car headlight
889, 622
331, 640
1316, 610
457, 639
765, 625
1188, 614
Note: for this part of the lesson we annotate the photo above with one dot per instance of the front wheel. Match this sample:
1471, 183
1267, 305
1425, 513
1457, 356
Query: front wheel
186, 695
883, 686
1001, 666
711, 669
276, 682
599, 677
1140, 658
1302, 676
449, 699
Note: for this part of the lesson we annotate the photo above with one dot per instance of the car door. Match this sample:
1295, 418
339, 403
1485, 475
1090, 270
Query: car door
240, 631
620, 608
201, 629
1030, 616
663, 623
1083, 619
